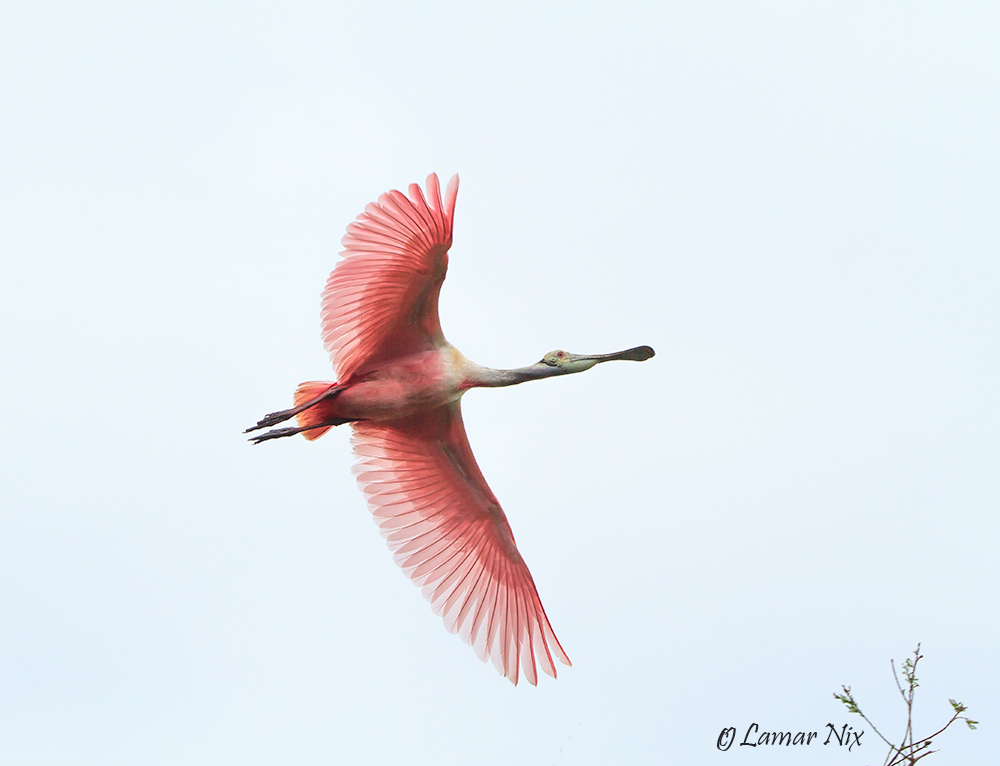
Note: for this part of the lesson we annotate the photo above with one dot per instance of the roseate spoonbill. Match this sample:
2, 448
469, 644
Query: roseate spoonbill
399, 384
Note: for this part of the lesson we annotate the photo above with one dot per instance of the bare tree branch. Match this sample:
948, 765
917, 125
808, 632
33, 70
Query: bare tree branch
908, 751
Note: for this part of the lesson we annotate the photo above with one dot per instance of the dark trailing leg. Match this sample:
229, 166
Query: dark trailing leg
273, 418
278, 433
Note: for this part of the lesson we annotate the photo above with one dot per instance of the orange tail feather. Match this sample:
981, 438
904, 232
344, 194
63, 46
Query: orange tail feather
313, 415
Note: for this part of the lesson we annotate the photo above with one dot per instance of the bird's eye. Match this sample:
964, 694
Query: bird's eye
560, 354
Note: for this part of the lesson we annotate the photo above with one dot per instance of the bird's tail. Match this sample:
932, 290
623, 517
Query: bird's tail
314, 416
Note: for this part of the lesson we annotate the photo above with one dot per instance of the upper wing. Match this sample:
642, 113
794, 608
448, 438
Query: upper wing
449, 534
381, 301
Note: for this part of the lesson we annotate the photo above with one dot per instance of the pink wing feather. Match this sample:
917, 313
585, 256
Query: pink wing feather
449, 534
381, 301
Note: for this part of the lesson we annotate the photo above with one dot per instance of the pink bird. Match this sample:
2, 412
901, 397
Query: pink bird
400, 384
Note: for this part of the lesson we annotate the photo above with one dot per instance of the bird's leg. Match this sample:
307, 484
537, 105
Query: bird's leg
273, 418
277, 433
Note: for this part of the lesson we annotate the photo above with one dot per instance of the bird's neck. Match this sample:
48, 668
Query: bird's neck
486, 377
476, 376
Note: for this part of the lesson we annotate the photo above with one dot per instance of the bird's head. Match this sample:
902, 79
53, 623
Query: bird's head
563, 362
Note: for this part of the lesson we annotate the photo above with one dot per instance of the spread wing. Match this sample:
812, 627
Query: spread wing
450, 536
381, 301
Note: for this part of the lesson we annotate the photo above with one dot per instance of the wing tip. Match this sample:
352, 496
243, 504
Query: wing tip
450, 195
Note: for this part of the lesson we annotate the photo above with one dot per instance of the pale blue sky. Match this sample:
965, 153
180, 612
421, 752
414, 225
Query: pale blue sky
795, 205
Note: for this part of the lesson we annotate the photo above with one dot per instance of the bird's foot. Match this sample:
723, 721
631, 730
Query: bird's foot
273, 418
276, 433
